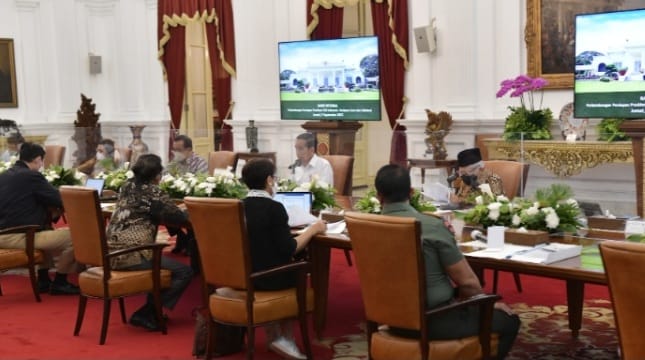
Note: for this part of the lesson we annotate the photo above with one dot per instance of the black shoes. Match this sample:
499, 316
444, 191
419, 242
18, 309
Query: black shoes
63, 289
145, 318
43, 286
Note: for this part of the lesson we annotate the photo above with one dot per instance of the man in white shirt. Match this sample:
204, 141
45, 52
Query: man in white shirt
308, 163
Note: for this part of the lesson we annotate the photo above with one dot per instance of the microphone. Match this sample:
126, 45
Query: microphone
478, 235
295, 164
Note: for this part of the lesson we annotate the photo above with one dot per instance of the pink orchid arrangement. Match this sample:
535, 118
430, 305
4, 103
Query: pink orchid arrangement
521, 85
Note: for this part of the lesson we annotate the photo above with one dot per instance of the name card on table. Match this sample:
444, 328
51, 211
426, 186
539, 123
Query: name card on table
496, 237
634, 227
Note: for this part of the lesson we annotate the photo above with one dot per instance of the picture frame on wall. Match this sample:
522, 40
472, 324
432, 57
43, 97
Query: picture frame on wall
8, 88
550, 35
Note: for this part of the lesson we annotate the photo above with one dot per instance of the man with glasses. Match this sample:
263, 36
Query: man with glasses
309, 165
473, 177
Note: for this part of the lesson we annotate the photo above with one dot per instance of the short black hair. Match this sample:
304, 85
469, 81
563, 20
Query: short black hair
188, 142
147, 167
108, 144
256, 171
393, 183
30, 151
309, 138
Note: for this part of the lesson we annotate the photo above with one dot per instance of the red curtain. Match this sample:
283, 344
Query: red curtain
172, 53
222, 31
393, 49
330, 22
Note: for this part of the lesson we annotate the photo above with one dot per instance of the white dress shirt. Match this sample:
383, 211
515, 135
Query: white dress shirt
317, 166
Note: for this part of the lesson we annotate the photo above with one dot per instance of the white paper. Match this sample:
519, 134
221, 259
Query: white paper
336, 227
485, 188
437, 192
299, 216
634, 227
504, 253
496, 237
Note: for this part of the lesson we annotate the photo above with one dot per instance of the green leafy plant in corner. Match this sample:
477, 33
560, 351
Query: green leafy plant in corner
609, 130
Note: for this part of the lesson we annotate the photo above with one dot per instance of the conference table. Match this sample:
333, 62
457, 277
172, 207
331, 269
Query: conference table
576, 272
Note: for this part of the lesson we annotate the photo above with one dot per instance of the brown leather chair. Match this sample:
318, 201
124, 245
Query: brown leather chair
221, 160
379, 243
54, 155
343, 167
220, 230
514, 175
99, 281
22, 258
624, 268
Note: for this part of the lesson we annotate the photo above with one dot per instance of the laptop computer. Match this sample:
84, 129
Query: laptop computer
96, 184
298, 206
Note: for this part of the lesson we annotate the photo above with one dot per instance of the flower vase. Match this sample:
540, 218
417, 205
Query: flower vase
137, 145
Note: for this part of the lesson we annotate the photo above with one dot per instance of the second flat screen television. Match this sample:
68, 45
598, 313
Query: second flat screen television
336, 79
610, 65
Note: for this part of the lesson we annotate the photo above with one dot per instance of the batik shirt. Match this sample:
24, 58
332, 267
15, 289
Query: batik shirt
194, 164
140, 208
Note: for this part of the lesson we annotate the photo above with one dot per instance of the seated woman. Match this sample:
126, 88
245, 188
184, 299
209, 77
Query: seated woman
272, 244
140, 208
473, 173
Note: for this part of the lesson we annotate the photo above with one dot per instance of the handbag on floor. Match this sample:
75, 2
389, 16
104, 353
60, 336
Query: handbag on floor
229, 339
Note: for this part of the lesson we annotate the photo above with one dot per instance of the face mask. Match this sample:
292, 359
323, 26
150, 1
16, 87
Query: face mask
470, 180
274, 188
178, 156
100, 156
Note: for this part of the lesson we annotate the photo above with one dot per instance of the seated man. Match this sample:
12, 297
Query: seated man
472, 173
107, 159
184, 159
444, 266
25, 199
308, 163
14, 142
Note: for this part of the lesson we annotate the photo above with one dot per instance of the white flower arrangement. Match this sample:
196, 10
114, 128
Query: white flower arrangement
222, 183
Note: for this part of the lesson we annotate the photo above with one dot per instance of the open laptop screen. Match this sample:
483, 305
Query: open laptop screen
96, 184
298, 206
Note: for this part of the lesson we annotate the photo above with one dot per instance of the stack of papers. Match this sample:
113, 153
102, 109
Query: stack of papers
540, 254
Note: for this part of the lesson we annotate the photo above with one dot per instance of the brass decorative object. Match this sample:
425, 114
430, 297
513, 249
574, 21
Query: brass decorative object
87, 131
437, 128
561, 158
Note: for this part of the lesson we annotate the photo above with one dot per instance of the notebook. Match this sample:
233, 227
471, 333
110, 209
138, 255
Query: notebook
298, 206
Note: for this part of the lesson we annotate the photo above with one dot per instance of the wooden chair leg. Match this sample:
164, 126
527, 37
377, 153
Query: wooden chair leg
122, 308
210, 338
82, 301
250, 342
348, 257
0, 289
304, 331
518, 282
495, 275
106, 318
34, 282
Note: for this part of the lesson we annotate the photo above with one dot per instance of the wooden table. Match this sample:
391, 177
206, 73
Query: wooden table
424, 164
573, 271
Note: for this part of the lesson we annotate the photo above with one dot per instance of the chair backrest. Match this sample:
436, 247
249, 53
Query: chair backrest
623, 262
220, 160
513, 173
86, 224
220, 231
343, 167
54, 155
393, 290
126, 154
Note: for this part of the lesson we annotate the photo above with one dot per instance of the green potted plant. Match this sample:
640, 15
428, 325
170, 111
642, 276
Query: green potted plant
608, 129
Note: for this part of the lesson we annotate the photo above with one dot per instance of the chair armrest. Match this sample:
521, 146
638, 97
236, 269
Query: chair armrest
482, 300
300, 266
20, 229
154, 247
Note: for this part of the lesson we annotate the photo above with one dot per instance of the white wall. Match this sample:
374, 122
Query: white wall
480, 43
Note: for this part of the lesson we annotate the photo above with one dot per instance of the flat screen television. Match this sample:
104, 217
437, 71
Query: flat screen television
335, 79
610, 65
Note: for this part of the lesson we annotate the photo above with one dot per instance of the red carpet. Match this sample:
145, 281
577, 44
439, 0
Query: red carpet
33, 330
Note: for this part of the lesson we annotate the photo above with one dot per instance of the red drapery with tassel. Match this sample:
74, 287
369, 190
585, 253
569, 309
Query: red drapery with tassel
217, 16
324, 23
393, 48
